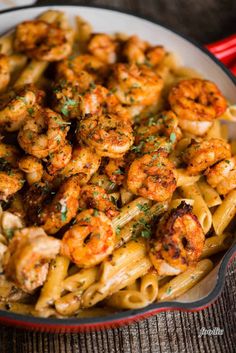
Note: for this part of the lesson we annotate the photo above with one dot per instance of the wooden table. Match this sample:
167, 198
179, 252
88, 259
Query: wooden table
173, 332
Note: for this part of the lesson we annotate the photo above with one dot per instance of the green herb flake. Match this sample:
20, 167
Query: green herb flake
146, 233
172, 137
95, 213
63, 213
169, 290
144, 208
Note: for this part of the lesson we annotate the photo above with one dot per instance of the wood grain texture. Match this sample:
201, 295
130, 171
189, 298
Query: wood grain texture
170, 332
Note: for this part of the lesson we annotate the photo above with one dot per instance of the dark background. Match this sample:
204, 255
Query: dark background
170, 332
203, 20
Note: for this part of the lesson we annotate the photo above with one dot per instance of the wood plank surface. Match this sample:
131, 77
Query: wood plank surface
170, 332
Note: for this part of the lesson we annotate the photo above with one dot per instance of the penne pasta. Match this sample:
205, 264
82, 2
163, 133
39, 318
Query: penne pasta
200, 208
210, 195
184, 179
128, 212
51, 292
139, 224
185, 281
128, 263
216, 244
224, 213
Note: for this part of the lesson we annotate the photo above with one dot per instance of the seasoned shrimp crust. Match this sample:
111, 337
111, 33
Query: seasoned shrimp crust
90, 240
43, 41
222, 176
179, 239
27, 259
201, 155
108, 134
63, 207
135, 85
152, 176
93, 196
197, 99
16, 105
43, 133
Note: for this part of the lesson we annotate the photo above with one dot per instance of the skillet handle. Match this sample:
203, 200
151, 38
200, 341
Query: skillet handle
225, 51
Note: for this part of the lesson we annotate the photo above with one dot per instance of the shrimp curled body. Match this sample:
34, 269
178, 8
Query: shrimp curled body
93, 196
222, 176
35, 140
108, 134
152, 176
63, 207
28, 256
43, 41
197, 99
90, 240
201, 155
179, 241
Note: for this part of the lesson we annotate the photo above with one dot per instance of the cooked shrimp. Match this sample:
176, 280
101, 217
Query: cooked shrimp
135, 85
154, 55
97, 100
115, 170
201, 155
197, 128
163, 124
11, 178
197, 99
9, 154
63, 207
179, 241
59, 159
11, 181
16, 105
33, 138
103, 47
32, 167
134, 50
222, 176
27, 259
107, 134
90, 240
72, 69
93, 196
83, 162
43, 41
34, 198
4, 72
138, 51
152, 176
157, 132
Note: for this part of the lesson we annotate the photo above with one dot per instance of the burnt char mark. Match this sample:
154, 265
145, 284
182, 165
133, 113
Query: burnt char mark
174, 214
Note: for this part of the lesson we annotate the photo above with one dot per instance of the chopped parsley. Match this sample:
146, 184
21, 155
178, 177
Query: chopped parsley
172, 137
69, 103
144, 208
146, 233
64, 211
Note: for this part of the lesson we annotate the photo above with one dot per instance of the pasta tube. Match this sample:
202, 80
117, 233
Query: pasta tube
200, 208
131, 210
52, 288
185, 281
215, 244
210, 195
184, 179
140, 223
78, 283
224, 213
128, 263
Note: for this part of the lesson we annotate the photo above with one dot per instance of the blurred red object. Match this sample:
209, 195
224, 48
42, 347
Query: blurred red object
225, 51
